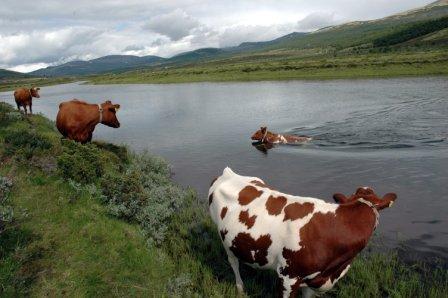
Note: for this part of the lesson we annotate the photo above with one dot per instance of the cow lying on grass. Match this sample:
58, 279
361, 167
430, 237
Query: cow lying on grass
24, 98
309, 243
266, 137
76, 120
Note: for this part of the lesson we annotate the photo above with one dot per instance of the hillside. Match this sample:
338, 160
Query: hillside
8, 74
99, 65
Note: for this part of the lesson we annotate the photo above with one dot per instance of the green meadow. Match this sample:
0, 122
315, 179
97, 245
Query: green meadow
98, 220
289, 66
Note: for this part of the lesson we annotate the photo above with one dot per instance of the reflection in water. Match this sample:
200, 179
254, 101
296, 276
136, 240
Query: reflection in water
263, 147
390, 134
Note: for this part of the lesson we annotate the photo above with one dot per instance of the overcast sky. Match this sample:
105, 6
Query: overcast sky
39, 33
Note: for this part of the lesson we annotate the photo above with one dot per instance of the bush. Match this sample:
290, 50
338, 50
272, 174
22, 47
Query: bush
6, 212
81, 163
26, 142
144, 193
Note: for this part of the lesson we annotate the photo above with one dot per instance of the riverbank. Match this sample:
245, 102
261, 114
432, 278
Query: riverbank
285, 65
12, 84
100, 220
290, 66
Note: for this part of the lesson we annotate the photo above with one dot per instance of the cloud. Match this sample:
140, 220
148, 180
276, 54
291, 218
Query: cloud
175, 25
316, 20
235, 35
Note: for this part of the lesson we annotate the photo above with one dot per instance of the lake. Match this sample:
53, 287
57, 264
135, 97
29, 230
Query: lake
390, 134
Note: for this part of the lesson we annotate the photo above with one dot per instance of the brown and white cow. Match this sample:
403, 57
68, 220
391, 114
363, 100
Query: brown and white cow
24, 98
76, 119
264, 136
309, 243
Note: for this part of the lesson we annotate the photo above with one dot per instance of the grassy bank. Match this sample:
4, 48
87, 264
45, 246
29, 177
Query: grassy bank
12, 84
98, 220
290, 65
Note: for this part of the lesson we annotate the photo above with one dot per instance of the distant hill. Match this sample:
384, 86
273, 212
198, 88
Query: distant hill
99, 65
359, 34
8, 74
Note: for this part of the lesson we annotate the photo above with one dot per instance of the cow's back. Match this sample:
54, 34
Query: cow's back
22, 96
71, 117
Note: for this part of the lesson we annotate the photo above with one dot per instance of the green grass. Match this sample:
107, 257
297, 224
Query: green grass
12, 84
130, 231
291, 65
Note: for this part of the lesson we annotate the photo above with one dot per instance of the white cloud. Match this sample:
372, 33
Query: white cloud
316, 20
29, 67
175, 25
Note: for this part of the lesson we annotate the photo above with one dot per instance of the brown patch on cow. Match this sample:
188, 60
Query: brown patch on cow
337, 237
297, 210
248, 194
275, 205
210, 199
261, 184
250, 250
245, 219
223, 212
213, 181
223, 234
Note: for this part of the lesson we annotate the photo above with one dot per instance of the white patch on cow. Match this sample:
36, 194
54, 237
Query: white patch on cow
283, 139
311, 276
344, 272
287, 284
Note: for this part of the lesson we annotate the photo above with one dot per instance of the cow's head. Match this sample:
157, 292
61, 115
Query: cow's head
367, 194
35, 92
260, 134
110, 114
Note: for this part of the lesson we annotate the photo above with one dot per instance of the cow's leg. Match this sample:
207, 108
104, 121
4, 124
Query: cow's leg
289, 286
26, 111
234, 263
31, 108
308, 292
18, 106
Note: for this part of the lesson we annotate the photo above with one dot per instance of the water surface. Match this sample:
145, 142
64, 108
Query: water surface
390, 134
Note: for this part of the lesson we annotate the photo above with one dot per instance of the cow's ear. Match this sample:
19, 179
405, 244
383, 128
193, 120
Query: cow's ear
263, 129
108, 101
37, 88
340, 198
117, 107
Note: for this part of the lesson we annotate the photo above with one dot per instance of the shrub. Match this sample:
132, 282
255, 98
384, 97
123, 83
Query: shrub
144, 193
26, 142
6, 211
162, 204
81, 163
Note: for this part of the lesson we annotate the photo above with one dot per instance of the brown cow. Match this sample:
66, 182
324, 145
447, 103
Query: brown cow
24, 97
309, 242
266, 137
76, 120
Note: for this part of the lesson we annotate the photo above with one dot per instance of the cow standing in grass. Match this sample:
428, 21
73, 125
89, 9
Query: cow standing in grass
76, 119
24, 98
309, 243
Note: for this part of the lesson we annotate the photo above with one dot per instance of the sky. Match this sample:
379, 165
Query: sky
41, 33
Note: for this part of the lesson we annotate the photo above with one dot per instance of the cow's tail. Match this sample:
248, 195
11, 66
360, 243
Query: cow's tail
228, 172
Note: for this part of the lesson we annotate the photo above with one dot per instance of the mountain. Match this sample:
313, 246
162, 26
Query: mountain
99, 65
359, 34
8, 74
